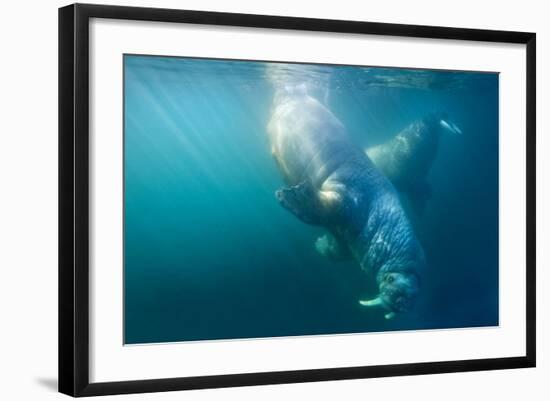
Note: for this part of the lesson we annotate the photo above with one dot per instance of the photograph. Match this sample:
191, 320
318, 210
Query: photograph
275, 201
266, 199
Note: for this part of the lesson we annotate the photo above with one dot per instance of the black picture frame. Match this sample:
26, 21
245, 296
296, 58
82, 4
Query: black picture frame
74, 194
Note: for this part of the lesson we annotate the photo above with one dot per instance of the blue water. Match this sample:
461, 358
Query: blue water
210, 254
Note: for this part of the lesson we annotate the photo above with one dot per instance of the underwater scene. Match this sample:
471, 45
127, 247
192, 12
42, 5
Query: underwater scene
270, 199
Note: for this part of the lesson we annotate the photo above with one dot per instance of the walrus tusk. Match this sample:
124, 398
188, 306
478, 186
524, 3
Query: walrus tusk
371, 302
451, 127
374, 302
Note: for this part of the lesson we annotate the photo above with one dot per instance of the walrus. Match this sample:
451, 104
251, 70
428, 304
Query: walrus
332, 183
407, 158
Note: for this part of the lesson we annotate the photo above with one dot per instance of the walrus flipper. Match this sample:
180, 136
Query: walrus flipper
303, 201
328, 246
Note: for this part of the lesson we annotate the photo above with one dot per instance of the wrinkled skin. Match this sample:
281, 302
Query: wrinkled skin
332, 183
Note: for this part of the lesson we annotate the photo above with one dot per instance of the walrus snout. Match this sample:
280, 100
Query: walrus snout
398, 291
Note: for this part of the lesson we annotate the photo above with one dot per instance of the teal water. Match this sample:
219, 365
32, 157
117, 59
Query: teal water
210, 254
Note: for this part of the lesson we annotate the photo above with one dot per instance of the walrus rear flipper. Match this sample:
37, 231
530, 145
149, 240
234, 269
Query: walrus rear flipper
303, 201
331, 248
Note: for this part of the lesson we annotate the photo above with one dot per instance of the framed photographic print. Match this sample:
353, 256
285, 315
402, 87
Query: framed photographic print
250, 199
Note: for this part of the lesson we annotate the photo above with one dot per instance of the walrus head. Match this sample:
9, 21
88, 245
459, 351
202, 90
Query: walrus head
398, 291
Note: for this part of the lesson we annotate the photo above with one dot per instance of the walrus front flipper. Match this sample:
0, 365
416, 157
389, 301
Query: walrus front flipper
303, 201
328, 246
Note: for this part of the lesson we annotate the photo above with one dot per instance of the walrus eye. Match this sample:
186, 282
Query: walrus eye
389, 278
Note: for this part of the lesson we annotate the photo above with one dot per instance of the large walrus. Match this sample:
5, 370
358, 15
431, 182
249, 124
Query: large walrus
332, 183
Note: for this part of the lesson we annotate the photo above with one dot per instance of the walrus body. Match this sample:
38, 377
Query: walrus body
406, 159
333, 183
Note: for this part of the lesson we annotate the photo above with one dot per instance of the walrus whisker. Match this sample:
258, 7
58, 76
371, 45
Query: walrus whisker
371, 302
390, 315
